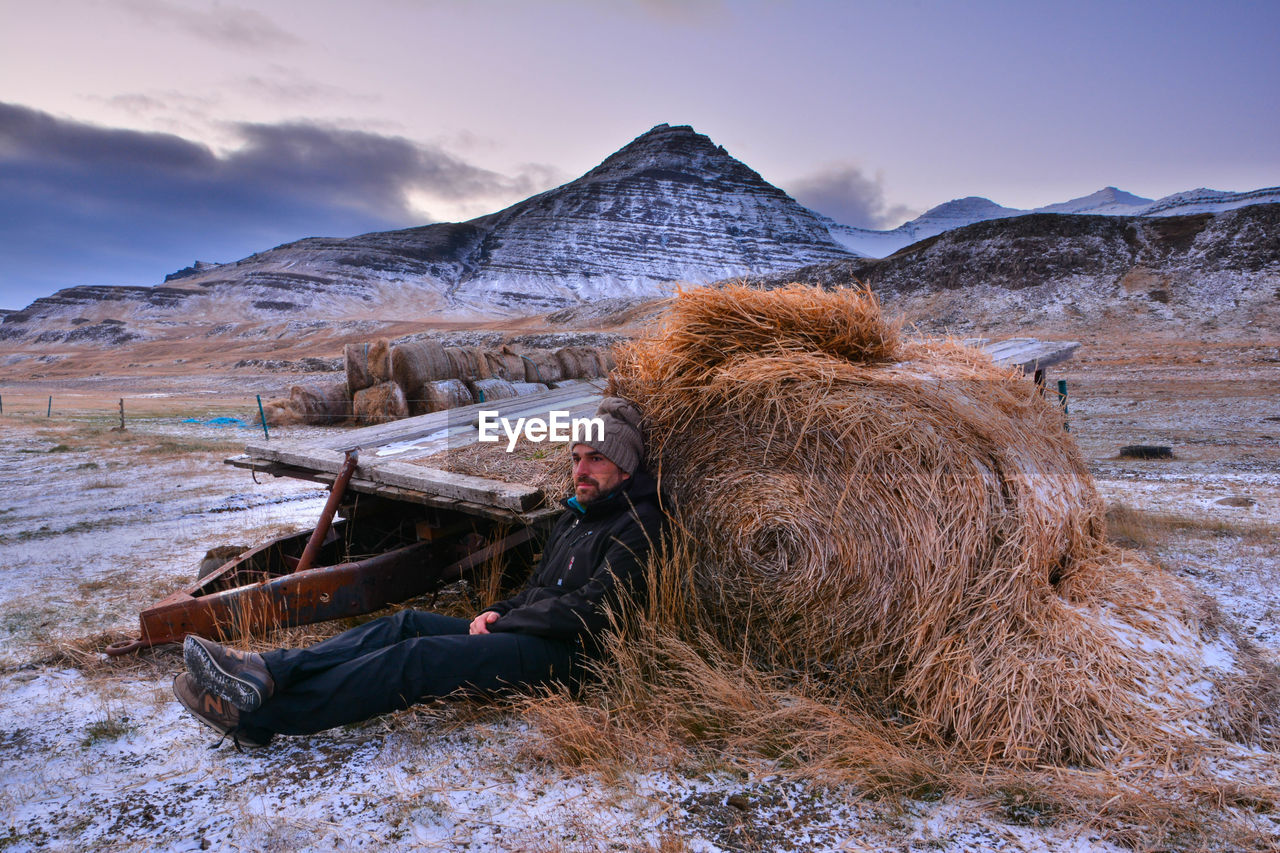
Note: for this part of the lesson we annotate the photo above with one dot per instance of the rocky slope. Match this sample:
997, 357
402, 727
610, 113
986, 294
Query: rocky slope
1193, 273
670, 206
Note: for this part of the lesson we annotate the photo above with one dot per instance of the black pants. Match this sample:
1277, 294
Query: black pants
393, 662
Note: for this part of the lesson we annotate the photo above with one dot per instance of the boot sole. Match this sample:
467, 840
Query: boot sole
241, 692
239, 738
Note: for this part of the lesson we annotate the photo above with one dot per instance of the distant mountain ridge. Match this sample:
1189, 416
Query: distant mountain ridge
1108, 201
1198, 273
671, 206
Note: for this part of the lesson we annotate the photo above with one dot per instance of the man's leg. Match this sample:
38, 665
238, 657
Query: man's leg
290, 665
392, 677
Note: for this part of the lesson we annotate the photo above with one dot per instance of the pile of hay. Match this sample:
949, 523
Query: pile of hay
909, 525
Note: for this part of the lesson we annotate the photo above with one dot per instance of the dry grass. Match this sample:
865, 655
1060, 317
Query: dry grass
672, 696
539, 464
1136, 528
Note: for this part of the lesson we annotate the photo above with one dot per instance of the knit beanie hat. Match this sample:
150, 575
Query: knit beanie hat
622, 444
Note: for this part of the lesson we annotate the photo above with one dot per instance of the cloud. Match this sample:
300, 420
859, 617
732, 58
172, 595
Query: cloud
222, 23
83, 204
844, 193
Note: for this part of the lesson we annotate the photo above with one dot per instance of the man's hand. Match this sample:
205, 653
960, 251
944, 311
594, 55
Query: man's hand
480, 624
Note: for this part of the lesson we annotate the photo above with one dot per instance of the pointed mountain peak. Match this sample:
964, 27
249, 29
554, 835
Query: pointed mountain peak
675, 151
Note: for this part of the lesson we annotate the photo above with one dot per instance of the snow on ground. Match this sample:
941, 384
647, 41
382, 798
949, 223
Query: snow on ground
84, 517
101, 757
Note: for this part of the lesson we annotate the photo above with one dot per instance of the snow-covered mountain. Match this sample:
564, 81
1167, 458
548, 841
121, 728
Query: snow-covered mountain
1203, 273
1107, 201
670, 206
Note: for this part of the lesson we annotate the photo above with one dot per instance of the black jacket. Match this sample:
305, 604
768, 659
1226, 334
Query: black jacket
590, 556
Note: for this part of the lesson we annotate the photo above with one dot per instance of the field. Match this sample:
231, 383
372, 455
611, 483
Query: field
95, 524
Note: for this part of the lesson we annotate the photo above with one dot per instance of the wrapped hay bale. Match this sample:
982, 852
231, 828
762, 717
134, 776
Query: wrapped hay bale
446, 394
381, 403
321, 405
416, 364
907, 521
542, 366
505, 364
469, 363
581, 362
488, 390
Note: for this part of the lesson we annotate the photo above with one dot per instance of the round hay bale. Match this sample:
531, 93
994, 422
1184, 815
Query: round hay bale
469, 363
581, 362
446, 394
415, 364
356, 359
908, 521
505, 364
322, 404
542, 366
380, 360
381, 403
488, 390
524, 389
279, 412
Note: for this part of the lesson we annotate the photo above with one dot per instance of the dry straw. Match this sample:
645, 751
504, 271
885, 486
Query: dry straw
907, 526
381, 403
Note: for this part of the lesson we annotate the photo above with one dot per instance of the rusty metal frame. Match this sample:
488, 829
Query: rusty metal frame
222, 606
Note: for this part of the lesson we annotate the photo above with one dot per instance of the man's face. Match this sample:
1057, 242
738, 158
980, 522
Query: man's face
593, 474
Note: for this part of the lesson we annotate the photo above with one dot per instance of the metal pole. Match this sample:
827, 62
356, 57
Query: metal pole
330, 507
1062, 401
49, 413
263, 415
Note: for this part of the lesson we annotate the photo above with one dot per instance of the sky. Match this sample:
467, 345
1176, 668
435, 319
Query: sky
137, 136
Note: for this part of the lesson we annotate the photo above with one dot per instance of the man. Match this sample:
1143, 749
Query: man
596, 553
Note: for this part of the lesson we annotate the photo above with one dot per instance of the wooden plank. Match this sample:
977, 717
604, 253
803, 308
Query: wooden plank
371, 487
402, 474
